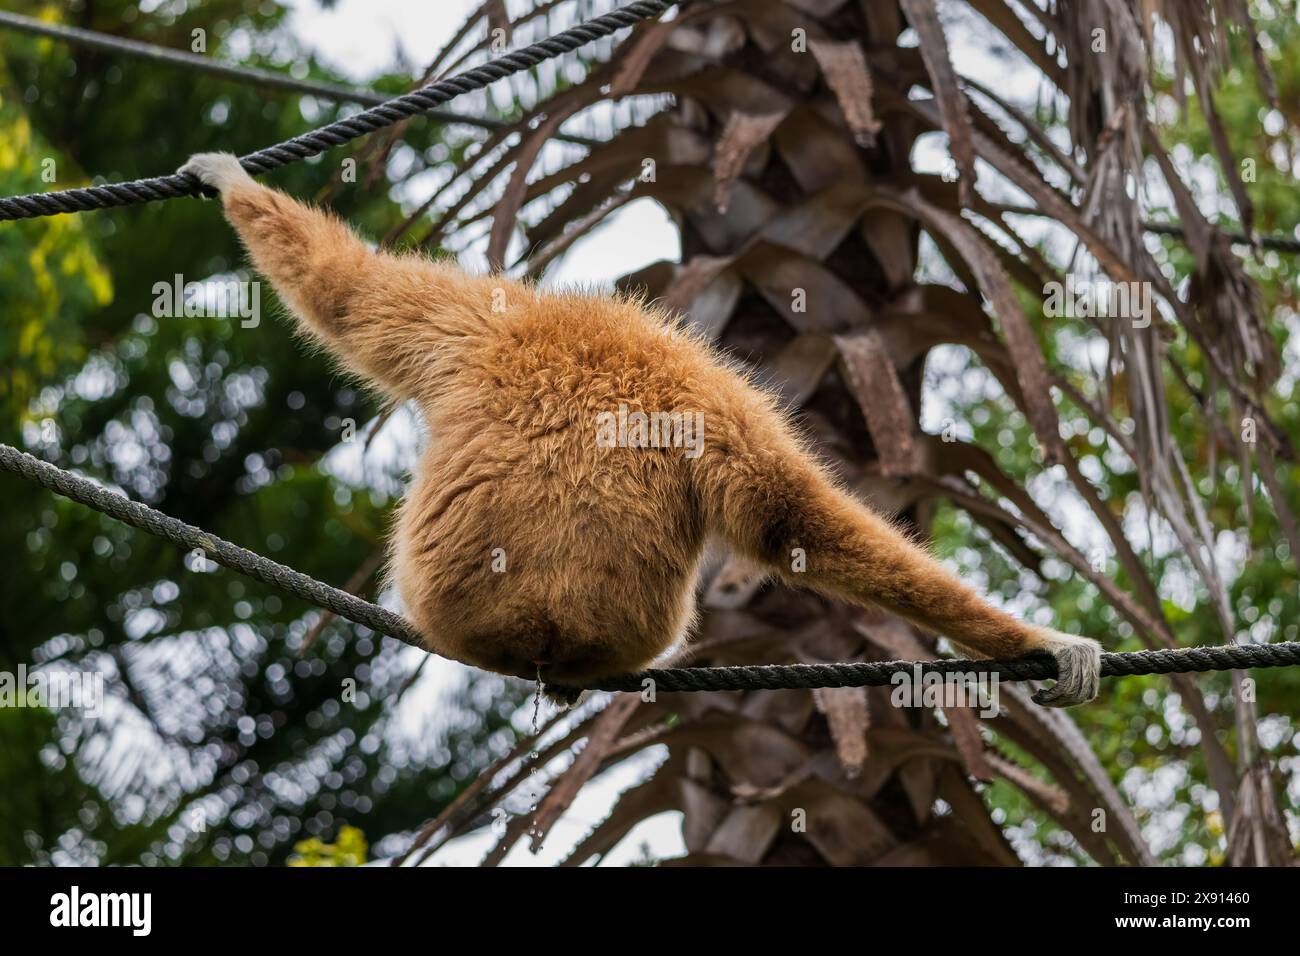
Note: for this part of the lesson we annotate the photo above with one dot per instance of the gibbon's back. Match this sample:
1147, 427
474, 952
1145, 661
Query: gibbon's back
543, 534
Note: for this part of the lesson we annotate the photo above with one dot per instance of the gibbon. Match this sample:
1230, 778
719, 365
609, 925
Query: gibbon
529, 546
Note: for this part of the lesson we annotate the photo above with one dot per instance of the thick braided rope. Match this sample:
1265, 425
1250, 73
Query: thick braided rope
762, 677
196, 61
341, 131
875, 674
141, 516
230, 71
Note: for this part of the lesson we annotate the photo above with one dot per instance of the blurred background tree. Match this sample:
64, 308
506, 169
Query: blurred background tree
219, 742
806, 144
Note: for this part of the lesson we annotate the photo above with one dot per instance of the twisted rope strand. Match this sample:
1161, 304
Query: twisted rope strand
341, 131
763, 677
106, 42
138, 515
876, 674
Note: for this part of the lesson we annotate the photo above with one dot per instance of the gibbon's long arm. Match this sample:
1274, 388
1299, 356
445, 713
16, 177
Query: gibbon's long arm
769, 497
389, 318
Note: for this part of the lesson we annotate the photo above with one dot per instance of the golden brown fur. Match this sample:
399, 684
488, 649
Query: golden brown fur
601, 545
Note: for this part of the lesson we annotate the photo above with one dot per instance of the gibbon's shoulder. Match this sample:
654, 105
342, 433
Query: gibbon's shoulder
599, 324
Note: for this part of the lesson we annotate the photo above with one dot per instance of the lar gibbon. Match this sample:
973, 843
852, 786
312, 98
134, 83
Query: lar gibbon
528, 547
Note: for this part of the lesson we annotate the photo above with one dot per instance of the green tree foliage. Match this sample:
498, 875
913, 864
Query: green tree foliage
348, 850
218, 742
1143, 737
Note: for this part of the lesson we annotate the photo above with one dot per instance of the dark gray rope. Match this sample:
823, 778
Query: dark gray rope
763, 677
876, 674
341, 131
244, 74
141, 516
195, 61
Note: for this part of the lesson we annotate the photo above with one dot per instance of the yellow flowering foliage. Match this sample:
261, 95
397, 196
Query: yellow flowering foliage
348, 850
51, 276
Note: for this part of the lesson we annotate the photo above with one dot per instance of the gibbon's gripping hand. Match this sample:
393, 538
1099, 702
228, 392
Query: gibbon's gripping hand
1078, 664
221, 171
